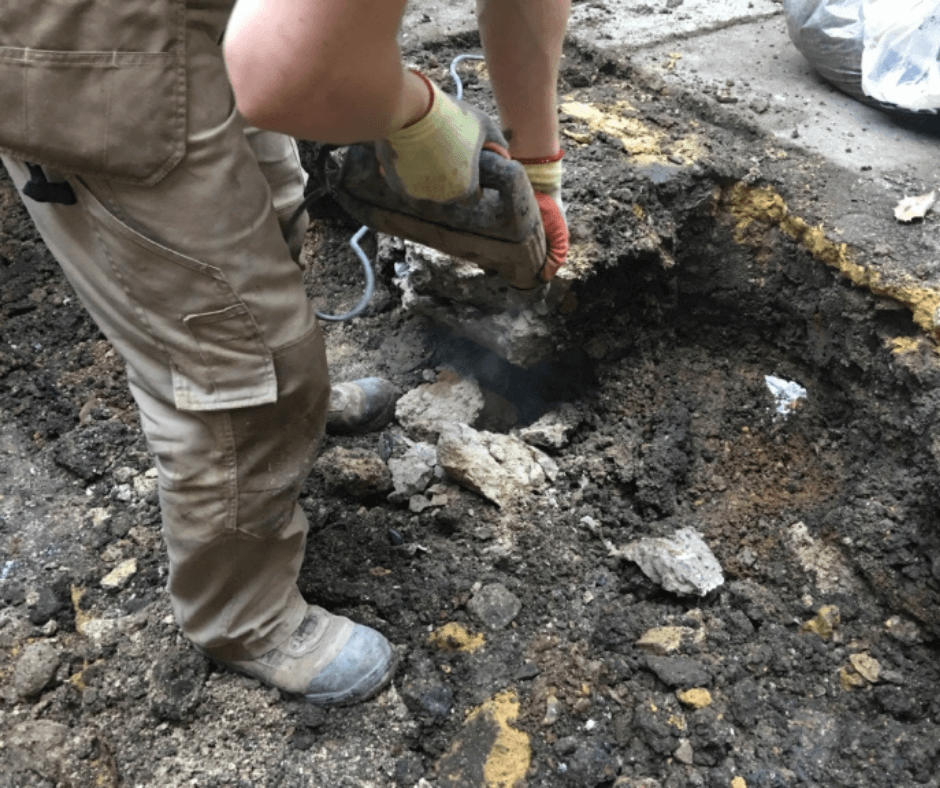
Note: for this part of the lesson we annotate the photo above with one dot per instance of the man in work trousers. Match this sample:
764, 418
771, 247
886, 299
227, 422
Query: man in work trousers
169, 210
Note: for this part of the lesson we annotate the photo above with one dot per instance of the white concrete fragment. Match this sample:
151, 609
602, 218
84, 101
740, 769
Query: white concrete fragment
120, 576
786, 393
452, 398
412, 472
554, 429
682, 563
498, 467
911, 208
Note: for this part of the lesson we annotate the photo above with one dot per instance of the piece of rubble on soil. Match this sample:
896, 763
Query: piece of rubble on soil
412, 472
35, 669
553, 430
498, 467
357, 472
494, 606
451, 398
911, 208
683, 563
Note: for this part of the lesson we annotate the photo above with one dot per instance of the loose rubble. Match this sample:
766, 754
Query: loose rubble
531, 649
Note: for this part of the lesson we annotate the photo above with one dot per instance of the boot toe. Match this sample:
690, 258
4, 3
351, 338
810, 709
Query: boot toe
362, 669
360, 406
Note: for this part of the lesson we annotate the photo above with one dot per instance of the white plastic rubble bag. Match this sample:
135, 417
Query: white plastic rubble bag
901, 57
884, 52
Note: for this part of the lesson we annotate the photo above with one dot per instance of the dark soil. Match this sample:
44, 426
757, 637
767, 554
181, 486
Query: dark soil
679, 317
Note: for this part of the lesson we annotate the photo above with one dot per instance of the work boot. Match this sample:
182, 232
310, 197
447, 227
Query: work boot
360, 406
329, 660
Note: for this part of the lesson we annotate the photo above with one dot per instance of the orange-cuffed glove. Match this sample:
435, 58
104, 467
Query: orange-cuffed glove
438, 156
545, 175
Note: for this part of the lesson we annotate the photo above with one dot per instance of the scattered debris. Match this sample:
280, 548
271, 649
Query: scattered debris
35, 669
661, 641
552, 711
359, 473
867, 667
684, 753
849, 679
494, 606
454, 637
697, 698
683, 564
553, 430
911, 208
904, 630
120, 576
177, 683
786, 394
56, 753
831, 571
825, 622
679, 671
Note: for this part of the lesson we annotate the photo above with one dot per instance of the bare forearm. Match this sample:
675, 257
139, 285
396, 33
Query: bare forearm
324, 70
522, 40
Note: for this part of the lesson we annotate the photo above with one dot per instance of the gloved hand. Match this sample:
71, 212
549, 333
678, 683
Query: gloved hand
545, 176
438, 157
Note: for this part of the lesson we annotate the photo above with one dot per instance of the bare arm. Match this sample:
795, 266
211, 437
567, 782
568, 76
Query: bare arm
522, 40
324, 70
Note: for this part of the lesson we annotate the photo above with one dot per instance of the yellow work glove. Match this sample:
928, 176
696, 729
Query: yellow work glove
438, 157
545, 176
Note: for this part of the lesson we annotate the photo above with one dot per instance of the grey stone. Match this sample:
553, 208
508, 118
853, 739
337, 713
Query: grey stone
35, 669
427, 697
176, 684
33, 745
554, 429
412, 472
494, 606
451, 398
498, 467
359, 473
679, 671
683, 563
683, 752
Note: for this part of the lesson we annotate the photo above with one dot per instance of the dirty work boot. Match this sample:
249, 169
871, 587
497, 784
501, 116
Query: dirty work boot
329, 660
360, 406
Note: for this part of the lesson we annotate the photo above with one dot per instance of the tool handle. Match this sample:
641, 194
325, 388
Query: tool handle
508, 179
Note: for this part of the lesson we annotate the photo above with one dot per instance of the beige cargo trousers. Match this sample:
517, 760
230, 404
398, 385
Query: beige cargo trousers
194, 283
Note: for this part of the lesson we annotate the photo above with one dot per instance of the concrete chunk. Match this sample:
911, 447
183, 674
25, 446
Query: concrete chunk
451, 398
498, 467
682, 563
554, 429
412, 472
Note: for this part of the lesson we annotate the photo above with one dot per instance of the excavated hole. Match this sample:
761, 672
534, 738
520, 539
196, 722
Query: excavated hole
681, 309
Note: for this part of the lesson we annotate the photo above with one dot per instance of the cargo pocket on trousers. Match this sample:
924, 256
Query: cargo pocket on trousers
186, 310
234, 368
95, 87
